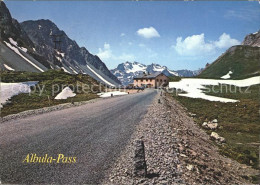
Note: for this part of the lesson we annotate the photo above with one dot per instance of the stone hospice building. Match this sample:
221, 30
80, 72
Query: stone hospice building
155, 80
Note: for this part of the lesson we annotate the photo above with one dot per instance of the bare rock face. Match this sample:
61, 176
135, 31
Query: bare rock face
140, 168
252, 39
76, 57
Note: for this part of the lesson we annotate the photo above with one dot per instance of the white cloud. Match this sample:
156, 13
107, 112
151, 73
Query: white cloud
122, 34
106, 54
196, 45
192, 45
226, 41
130, 43
148, 32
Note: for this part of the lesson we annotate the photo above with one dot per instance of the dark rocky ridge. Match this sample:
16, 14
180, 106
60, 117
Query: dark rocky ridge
36, 37
10, 27
40, 32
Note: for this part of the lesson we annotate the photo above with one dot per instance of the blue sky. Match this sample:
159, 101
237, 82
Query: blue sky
180, 35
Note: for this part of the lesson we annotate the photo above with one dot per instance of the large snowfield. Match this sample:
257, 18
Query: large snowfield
11, 89
194, 87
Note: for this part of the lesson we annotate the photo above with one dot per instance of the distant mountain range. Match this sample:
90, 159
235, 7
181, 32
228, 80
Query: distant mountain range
125, 72
242, 60
29, 46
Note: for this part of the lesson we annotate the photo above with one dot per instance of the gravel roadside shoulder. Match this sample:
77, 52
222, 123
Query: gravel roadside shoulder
177, 151
45, 110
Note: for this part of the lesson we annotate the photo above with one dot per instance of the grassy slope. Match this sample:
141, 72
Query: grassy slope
174, 78
243, 61
34, 100
240, 126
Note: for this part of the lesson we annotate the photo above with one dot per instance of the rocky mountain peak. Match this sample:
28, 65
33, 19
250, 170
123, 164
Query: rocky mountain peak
10, 28
33, 41
42, 33
4, 14
252, 39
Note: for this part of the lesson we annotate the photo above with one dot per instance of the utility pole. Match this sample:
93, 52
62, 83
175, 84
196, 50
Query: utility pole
56, 38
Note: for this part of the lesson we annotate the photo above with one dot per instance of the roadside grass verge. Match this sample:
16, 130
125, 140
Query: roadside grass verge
43, 95
238, 122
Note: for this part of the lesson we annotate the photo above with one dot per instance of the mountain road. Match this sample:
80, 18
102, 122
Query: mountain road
76, 145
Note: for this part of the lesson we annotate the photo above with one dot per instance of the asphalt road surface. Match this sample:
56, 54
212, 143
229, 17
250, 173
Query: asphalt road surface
94, 133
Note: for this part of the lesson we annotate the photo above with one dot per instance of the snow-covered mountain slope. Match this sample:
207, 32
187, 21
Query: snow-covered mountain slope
29, 46
125, 72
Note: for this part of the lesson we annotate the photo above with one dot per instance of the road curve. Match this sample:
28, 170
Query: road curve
94, 133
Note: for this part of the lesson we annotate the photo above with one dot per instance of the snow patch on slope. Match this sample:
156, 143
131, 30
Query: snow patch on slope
100, 77
65, 70
18, 52
58, 58
108, 94
73, 70
64, 94
13, 42
194, 87
173, 73
62, 54
227, 76
8, 90
8, 67
135, 68
23, 49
